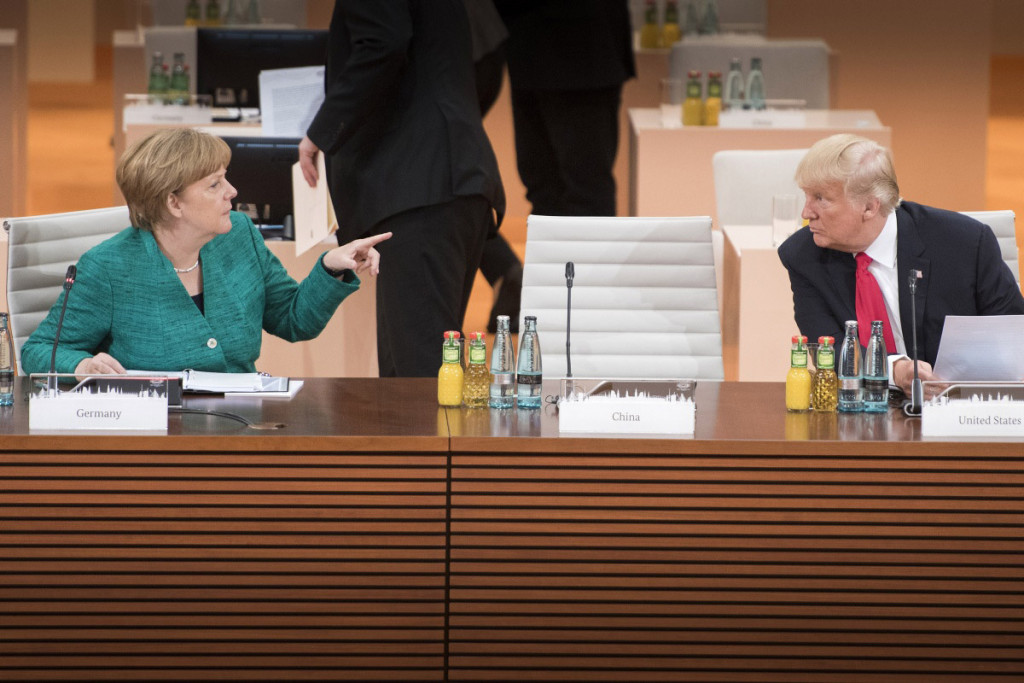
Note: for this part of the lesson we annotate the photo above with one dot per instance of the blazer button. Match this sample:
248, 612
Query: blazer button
211, 342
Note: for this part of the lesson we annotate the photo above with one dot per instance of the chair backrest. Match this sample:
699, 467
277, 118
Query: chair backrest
746, 180
1003, 225
644, 301
40, 250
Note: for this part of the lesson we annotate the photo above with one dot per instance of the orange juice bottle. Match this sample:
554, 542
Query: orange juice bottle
449, 377
798, 379
693, 105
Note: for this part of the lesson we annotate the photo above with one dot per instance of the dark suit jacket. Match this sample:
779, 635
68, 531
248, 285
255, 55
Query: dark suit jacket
568, 44
964, 274
400, 122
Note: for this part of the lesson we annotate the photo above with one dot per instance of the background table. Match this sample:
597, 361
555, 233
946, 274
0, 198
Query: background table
670, 168
757, 306
377, 536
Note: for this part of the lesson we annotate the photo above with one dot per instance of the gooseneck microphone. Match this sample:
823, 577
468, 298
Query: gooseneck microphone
570, 273
916, 388
69, 280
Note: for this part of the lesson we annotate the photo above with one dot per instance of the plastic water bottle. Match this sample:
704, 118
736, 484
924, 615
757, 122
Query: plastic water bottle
876, 372
734, 85
709, 22
850, 379
528, 372
755, 85
503, 377
6, 363
178, 90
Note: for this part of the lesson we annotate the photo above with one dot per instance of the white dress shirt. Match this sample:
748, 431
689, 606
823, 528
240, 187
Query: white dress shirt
883, 266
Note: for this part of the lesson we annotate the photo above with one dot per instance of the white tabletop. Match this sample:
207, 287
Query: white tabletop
866, 119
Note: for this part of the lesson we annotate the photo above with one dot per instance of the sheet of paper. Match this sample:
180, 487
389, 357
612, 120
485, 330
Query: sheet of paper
982, 348
289, 99
314, 214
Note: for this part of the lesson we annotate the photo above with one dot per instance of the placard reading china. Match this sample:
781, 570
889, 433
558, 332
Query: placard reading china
627, 406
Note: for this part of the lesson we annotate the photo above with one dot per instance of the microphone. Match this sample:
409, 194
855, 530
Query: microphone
916, 388
69, 280
570, 273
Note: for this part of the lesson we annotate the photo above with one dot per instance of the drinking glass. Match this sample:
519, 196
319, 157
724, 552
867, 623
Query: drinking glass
671, 103
785, 217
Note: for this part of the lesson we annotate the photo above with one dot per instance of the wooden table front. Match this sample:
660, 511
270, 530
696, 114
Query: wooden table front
376, 536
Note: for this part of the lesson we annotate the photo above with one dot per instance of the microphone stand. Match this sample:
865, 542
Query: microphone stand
570, 273
69, 279
916, 388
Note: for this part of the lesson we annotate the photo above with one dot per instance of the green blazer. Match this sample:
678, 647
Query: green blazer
128, 301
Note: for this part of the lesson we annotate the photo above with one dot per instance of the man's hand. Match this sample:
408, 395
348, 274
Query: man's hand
903, 376
307, 161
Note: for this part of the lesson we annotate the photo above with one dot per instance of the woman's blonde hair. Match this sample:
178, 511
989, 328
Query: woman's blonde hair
164, 162
863, 167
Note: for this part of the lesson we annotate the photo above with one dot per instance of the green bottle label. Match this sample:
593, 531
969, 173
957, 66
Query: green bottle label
478, 354
826, 358
450, 353
798, 358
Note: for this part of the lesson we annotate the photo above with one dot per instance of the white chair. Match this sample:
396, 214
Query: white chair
644, 303
747, 179
745, 182
40, 249
1003, 225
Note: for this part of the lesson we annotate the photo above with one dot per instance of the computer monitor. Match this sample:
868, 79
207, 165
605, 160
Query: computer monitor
261, 171
229, 60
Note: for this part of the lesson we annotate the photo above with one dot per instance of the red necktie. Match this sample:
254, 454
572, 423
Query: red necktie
871, 305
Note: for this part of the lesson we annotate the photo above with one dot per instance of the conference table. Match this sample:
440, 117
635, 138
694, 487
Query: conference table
364, 533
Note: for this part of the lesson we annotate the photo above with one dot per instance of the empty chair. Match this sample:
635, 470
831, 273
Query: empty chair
746, 180
40, 250
644, 301
1003, 225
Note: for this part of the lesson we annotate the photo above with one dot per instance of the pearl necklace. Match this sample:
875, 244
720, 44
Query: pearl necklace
187, 270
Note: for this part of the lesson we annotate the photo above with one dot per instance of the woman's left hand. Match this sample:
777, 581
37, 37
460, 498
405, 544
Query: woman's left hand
358, 255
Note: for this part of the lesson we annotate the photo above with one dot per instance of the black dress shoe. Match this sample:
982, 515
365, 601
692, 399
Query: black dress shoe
509, 292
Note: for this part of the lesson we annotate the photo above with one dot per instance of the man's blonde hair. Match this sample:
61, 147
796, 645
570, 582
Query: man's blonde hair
164, 162
863, 167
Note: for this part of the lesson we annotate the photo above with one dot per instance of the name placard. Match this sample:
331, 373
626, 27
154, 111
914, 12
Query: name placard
973, 418
764, 118
98, 402
87, 412
627, 416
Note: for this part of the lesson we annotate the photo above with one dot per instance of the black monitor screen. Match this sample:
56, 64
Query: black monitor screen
261, 171
229, 61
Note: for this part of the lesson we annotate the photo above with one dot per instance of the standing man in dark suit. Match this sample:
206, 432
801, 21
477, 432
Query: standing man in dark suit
861, 243
567, 61
407, 154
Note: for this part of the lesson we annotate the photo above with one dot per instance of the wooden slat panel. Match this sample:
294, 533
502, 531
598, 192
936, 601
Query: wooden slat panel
148, 567
568, 566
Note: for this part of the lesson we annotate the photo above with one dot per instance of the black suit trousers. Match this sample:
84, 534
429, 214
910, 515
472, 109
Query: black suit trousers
427, 270
566, 141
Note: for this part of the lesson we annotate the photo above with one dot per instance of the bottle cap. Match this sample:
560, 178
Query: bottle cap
714, 74
693, 73
529, 318
476, 336
826, 340
451, 334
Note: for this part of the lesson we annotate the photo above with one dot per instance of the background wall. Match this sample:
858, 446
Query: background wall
61, 35
923, 66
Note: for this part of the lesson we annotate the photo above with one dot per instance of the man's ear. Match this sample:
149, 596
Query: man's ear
871, 208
